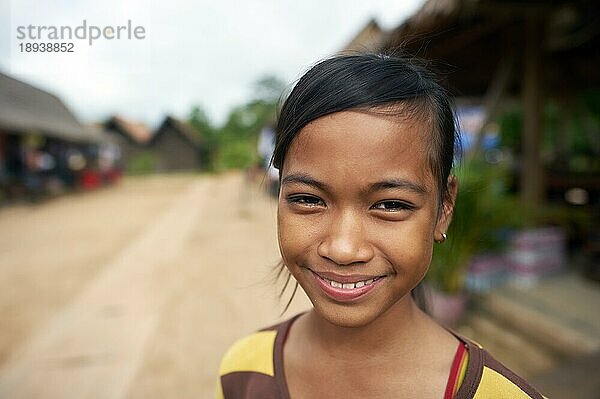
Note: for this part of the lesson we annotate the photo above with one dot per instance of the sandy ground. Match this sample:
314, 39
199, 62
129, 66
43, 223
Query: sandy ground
50, 252
227, 288
135, 290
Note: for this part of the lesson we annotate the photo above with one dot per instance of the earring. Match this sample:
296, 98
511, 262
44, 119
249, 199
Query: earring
444, 236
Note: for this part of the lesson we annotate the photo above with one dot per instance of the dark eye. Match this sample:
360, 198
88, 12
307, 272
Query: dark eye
305, 200
393, 206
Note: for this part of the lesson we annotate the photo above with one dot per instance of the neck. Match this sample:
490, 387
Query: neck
396, 331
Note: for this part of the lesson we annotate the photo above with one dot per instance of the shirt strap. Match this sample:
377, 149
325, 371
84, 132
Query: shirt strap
457, 371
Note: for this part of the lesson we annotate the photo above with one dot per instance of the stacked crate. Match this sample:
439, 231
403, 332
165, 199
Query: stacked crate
535, 253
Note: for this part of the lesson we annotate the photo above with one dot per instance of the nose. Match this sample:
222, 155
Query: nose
345, 242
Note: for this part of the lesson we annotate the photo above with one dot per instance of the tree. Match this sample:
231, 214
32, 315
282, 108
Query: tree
199, 120
269, 89
233, 145
208, 136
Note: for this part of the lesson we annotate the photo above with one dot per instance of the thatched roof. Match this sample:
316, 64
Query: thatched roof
27, 109
135, 132
183, 128
467, 39
496, 48
369, 37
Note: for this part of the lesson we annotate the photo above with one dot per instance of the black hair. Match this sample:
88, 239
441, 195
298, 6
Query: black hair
392, 85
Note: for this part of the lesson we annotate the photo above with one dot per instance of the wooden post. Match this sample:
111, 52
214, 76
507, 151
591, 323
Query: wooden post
562, 135
532, 171
494, 94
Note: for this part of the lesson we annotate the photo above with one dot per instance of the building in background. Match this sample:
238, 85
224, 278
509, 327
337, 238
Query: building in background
176, 146
43, 147
132, 137
369, 37
533, 53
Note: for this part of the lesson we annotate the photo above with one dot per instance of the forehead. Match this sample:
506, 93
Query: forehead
362, 146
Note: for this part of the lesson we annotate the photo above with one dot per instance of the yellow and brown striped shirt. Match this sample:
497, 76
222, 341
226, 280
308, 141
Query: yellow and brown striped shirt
253, 369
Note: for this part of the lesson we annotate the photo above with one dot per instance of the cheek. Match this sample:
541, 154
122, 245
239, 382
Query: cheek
410, 245
426, 256
425, 251
291, 236
415, 256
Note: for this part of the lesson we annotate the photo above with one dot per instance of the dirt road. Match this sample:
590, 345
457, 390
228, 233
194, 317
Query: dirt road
134, 291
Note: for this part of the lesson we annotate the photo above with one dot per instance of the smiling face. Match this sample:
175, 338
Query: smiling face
358, 213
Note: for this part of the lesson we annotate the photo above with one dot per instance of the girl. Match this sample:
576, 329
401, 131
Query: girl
364, 148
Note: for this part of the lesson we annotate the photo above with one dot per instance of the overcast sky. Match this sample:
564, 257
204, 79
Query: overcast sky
194, 52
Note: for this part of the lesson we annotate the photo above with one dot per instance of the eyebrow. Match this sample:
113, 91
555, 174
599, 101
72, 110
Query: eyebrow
305, 179
394, 184
388, 184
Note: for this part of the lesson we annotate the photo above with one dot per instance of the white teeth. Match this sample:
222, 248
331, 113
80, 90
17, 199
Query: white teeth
350, 286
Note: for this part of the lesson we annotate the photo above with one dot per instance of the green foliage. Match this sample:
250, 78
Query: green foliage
484, 214
247, 120
578, 119
142, 163
237, 154
482, 209
269, 89
233, 145
208, 137
511, 126
591, 102
200, 121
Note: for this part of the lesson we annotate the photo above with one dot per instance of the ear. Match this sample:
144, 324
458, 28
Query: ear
445, 215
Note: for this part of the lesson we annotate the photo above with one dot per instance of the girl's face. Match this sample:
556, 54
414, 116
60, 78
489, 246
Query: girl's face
358, 213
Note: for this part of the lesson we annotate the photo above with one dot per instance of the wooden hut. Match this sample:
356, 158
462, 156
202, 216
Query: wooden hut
176, 146
42, 144
495, 49
27, 109
133, 137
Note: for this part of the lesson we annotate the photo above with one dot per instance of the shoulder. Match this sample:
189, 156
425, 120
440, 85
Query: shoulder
249, 367
251, 353
488, 378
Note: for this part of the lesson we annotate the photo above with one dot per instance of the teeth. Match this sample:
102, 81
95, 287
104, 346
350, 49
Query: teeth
350, 286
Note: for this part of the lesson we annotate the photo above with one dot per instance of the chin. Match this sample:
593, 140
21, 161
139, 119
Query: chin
346, 316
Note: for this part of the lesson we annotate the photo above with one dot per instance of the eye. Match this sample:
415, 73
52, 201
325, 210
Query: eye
393, 206
305, 200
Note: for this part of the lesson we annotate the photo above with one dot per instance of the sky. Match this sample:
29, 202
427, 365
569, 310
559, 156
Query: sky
206, 53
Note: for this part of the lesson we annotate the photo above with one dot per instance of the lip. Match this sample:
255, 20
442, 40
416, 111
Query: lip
345, 294
352, 278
